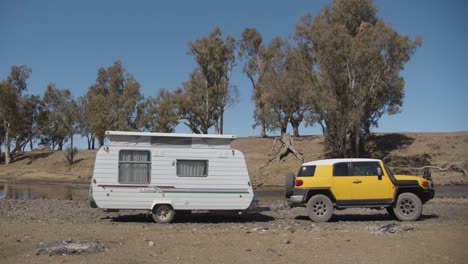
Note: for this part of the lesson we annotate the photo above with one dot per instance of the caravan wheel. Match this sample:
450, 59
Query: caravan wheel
163, 214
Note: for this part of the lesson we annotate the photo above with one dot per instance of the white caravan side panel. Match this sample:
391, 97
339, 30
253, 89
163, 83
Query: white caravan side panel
227, 186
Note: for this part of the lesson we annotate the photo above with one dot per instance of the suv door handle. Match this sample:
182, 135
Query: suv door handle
357, 181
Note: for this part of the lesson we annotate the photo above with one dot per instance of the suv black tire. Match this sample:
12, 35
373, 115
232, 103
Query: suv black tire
408, 207
390, 211
289, 185
319, 208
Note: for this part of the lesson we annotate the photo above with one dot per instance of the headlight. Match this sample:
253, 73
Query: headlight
425, 184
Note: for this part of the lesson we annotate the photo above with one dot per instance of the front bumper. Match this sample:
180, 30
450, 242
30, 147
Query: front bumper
427, 195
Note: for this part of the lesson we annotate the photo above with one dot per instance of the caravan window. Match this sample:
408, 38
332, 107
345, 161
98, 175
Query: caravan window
134, 167
192, 168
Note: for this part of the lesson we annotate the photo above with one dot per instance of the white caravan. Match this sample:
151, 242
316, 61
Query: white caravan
169, 172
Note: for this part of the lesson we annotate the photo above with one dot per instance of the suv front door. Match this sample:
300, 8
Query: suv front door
368, 185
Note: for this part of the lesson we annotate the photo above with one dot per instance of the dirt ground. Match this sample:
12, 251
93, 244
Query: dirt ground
278, 235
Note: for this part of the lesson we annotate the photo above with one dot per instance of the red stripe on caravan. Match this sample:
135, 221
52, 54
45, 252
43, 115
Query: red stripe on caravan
132, 186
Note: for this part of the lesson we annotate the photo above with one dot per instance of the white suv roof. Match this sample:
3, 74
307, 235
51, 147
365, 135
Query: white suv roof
333, 161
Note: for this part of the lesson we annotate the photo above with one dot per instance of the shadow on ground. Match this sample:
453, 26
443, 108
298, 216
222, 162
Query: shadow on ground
366, 217
382, 145
32, 156
205, 218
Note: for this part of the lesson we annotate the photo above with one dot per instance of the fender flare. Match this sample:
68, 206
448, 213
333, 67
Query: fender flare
158, 202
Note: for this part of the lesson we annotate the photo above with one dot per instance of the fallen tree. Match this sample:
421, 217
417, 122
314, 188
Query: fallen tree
287, 146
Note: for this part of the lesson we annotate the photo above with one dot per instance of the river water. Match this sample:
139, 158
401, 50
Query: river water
64, 191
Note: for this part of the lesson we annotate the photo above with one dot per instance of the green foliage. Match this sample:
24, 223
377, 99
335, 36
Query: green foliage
341, 70
14, 109
56, 129
70, 153
276, 74
215, 58
112, 102
196, 104
158, 114
357, 59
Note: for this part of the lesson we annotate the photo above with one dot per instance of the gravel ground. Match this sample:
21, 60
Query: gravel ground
277, 235
276, 216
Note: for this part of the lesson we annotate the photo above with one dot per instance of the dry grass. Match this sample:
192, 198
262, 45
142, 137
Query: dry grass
442, 148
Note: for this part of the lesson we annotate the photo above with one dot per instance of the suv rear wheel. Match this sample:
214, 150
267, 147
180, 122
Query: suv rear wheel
319, 208
408, 207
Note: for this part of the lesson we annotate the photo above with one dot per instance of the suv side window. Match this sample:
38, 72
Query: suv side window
341, 169
306, 171
365, 168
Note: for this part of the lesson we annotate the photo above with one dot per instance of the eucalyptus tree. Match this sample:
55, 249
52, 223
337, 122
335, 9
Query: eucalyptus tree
112, 101
158, 114
11, 92
252, 48
358, 59
216, 58
196, 104
275, 72
63, 114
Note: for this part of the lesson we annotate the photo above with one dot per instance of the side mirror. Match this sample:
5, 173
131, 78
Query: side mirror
379, 173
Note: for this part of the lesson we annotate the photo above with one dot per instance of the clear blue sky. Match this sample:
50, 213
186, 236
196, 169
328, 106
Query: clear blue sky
67, 41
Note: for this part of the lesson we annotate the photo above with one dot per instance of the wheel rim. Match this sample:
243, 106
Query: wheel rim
319, 208
407, 207
162, 213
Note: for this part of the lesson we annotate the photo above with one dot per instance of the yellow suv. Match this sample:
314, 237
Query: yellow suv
324, 185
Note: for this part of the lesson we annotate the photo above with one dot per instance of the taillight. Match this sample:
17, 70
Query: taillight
298, 183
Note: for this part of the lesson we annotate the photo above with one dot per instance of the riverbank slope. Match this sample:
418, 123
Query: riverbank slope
406, 150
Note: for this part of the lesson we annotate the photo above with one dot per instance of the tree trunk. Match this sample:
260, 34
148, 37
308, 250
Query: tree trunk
284, 126
30, 144
263, 130
88, 140
295, 125
216, 127
357, 142
72, 151
7, 143
342, 148
93, 142
221, 122
101, 141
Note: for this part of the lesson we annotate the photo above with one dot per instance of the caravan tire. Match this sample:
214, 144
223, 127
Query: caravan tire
289, 185
163, 214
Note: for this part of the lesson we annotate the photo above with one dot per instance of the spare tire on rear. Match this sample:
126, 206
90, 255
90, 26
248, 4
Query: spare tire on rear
289, 185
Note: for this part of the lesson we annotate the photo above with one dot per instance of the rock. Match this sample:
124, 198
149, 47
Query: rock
261, 228
291, 229
151, 244
247, 249
390, 228
70, 247
278, 206
286, 241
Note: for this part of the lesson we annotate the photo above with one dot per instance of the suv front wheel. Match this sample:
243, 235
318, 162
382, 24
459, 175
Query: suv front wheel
319, 208
408, 207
